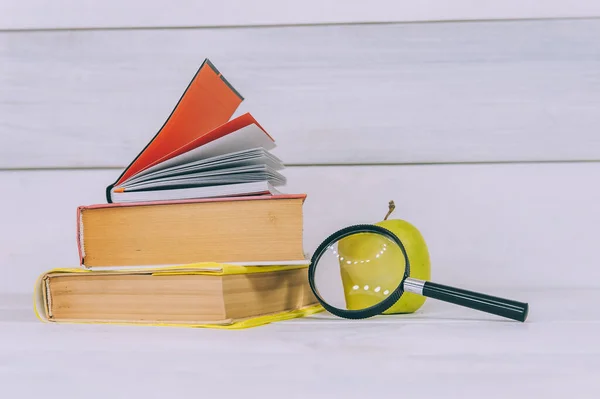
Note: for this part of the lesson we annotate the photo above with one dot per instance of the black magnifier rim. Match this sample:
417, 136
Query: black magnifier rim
375, 309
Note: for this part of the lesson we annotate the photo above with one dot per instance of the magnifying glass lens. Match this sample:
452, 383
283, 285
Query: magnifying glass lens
359, 271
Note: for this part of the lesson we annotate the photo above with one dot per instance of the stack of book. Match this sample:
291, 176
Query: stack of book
194, 231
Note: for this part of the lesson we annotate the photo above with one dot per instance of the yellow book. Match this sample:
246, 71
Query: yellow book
206, 294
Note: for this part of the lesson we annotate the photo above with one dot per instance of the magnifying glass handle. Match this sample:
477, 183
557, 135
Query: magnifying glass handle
486, 303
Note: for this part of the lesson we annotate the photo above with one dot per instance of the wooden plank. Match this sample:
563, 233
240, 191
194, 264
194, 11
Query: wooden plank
523, 225
436, 353
457, 92
69, 14
428, 355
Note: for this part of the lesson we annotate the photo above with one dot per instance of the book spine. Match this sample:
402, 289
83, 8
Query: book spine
108, 193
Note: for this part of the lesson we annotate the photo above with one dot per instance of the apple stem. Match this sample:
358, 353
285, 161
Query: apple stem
391, 207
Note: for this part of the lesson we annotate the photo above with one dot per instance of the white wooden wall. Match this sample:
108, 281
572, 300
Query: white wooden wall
92, 14
480, 118
485, 133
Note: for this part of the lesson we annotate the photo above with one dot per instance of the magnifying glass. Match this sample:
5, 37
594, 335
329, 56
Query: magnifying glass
362, 270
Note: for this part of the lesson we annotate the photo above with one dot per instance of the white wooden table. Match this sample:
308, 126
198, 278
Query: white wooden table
442, 351
485, 134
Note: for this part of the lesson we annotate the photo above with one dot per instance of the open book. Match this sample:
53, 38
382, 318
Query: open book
200, 153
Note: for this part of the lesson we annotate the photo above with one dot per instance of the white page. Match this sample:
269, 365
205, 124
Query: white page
240, 158
256, 188
248, 137
217, 173
281, 263
224, 176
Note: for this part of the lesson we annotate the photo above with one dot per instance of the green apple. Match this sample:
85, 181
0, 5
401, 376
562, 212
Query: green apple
366, 284
371, 267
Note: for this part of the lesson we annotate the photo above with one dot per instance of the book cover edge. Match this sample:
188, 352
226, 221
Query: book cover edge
195, 200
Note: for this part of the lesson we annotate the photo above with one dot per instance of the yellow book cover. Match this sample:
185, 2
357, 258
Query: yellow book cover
208, 295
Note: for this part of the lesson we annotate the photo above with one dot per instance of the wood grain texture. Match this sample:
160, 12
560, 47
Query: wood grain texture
442, 351
69, 14
486, 225
457, 92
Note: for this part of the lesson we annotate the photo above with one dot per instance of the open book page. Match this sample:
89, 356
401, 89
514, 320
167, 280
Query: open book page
248, 137
227, 190
254, 156
241, 174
